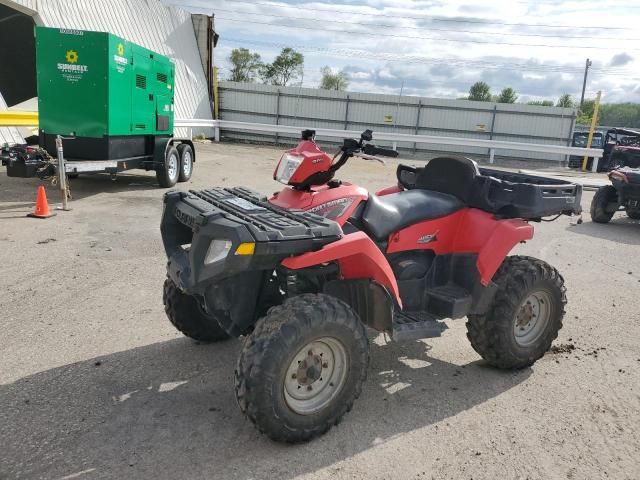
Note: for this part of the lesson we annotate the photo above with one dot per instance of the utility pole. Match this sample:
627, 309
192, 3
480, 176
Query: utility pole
584, 82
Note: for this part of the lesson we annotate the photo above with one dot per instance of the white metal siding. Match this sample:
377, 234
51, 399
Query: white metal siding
8, 134
314, 108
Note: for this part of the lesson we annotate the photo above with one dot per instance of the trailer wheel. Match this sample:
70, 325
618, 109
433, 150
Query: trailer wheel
186, 162
168, 174
302, 367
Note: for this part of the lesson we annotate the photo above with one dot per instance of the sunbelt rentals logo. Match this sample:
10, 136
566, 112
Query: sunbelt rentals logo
72, 71
120, 60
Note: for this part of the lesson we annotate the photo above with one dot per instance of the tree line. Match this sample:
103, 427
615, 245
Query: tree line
610, 114
286, 69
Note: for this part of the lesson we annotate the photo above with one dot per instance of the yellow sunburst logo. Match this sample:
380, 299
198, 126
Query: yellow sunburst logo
120, 49
72, 56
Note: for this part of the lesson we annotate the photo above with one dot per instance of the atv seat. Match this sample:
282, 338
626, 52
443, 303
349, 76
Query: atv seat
390, 213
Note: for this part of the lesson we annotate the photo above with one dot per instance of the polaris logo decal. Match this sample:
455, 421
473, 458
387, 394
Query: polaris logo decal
333, 208
184, 218
433, 237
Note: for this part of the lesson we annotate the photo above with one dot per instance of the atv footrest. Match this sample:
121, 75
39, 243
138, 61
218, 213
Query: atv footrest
415, 325
449, 301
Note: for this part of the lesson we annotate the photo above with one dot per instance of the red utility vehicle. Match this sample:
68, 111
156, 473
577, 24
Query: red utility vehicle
302, 274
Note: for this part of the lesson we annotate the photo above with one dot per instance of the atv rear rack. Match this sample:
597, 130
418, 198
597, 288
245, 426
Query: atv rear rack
514, 195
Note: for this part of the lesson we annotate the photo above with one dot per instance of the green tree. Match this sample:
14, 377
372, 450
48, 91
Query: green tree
541, 103
565, 101
585, 114
507, 95
480, 92
620, 114
286, 67
245, 65
333, 81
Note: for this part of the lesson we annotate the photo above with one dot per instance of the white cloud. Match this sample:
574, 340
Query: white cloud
445, 60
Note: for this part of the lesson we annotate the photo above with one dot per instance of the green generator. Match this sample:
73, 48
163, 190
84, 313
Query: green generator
113, 102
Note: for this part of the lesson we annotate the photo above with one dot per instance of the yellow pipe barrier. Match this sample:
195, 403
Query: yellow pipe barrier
594, 121
16, 118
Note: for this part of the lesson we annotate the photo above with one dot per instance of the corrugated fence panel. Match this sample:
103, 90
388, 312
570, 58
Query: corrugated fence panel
314, 108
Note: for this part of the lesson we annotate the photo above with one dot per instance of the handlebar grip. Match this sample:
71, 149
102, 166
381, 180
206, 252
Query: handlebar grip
385, 153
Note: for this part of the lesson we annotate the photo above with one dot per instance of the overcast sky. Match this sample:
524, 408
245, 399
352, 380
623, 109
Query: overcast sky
538, 47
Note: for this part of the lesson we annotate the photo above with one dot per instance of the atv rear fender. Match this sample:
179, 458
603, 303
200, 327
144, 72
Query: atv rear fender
358, 258
506, 235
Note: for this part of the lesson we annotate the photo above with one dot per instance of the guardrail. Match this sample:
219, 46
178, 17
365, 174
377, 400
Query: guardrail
17, 118
492, 145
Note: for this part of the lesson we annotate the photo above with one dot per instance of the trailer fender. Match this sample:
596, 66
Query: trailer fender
357, 256
160, 146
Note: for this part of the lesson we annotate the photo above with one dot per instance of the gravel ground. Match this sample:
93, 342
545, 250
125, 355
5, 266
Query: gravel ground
95, 383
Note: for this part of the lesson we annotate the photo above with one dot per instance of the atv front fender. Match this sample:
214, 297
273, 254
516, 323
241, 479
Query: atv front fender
506, 235
357, 256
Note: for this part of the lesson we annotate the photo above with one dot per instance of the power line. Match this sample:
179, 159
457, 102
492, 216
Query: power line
380, 34
404, 27
424, 17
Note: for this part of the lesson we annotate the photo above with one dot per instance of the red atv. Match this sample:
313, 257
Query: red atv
302, 274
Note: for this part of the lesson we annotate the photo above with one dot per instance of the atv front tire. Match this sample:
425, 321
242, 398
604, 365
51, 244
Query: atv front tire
302, 367
186, 314
633, 213
601, 212
525, 316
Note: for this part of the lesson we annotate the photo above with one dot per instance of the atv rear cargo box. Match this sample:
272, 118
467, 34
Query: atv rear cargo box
514, 195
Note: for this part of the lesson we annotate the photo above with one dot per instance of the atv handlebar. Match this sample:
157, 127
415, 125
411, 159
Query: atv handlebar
373, 150
357, 148
366, 156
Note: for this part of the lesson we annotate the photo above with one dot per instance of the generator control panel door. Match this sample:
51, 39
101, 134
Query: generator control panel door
163, 106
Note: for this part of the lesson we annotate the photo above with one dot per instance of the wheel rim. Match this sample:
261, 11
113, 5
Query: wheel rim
172, 165
532, 318
186, 163
316, 375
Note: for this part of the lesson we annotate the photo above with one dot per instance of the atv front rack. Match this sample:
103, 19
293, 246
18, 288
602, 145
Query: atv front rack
192, 221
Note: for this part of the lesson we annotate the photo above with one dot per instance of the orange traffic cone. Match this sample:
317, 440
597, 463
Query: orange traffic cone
42, 206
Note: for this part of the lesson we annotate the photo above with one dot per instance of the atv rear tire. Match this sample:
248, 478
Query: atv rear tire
525, 316
186, 314
633, 213
600, 210
302, 367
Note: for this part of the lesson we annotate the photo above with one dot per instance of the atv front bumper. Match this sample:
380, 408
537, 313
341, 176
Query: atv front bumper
251, 235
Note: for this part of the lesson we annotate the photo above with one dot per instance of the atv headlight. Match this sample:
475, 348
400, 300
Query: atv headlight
217, 251
287, 167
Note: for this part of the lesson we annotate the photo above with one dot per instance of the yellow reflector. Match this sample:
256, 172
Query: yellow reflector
246, 249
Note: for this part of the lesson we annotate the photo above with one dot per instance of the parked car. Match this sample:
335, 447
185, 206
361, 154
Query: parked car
580, 140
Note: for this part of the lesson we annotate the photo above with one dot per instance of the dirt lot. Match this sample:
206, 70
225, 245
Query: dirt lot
95, 383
